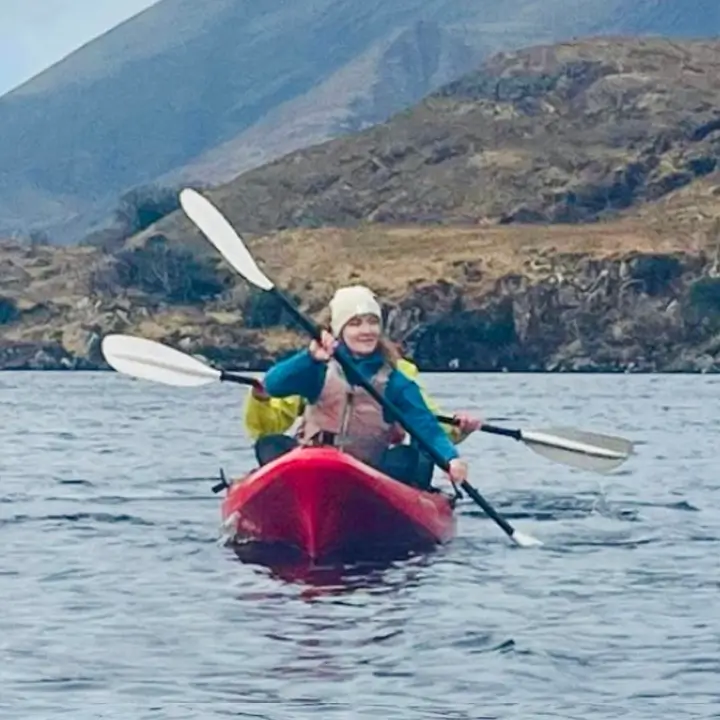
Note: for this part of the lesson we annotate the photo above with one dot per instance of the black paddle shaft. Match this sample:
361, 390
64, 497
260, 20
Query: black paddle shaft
506, 432
316, 331
226, 376
355, 377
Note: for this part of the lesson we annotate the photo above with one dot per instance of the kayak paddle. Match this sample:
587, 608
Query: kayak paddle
152, 360
212, 223
577, 448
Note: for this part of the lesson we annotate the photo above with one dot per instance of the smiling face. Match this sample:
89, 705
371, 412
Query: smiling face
361, 334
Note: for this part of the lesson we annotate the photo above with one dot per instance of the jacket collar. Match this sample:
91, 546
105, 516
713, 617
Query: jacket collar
367, 364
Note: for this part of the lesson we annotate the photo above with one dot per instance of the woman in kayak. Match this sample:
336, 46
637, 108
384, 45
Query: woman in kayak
266, 416
336, 413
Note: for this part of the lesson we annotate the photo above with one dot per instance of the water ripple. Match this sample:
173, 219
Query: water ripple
118, 601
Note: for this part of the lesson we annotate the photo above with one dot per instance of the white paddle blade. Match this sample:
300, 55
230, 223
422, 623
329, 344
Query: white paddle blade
150, 360
525, 541
580, 449
216, 228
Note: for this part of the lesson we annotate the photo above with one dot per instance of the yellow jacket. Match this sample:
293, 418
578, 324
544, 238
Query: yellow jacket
276, 415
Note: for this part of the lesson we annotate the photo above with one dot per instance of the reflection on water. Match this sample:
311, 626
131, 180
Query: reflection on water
378, 576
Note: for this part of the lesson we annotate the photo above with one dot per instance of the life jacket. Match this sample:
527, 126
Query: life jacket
350, 416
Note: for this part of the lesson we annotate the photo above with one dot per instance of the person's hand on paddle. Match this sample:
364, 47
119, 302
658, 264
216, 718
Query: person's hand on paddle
258, 392
397, 434
457, 471
322, 351
467, 423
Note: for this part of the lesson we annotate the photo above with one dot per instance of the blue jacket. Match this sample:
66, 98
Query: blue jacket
301, 375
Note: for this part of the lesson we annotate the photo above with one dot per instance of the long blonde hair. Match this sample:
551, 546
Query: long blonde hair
389, 350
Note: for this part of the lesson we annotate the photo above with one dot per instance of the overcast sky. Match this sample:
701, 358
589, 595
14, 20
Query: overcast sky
37, 33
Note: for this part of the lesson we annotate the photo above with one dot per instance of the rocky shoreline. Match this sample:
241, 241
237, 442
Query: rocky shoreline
558, 210
638, 312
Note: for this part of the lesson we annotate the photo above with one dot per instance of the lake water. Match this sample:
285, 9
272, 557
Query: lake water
116, 601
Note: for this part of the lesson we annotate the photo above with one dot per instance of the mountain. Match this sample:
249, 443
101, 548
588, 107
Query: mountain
189, 91
612, 144
565, 133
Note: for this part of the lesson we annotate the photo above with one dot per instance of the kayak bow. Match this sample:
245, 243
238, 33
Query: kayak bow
320, 504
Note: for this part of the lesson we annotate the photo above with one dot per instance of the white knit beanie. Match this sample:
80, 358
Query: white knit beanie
349, 302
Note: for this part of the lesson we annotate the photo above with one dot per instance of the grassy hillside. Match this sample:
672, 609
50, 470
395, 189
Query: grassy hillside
574, 132
191, 90
610, 147
639, 293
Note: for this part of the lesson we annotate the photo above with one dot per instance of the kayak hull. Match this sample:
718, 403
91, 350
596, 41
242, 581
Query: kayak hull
318, 504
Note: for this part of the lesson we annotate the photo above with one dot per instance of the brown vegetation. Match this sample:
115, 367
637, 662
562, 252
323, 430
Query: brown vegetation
558, 209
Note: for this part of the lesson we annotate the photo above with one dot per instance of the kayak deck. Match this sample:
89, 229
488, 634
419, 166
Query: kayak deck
320, 503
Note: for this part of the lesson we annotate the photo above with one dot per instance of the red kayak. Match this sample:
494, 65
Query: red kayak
320, 504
